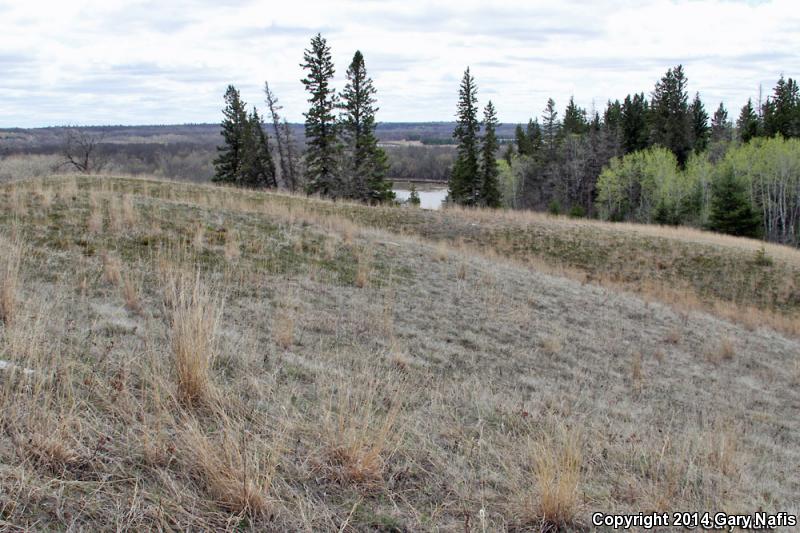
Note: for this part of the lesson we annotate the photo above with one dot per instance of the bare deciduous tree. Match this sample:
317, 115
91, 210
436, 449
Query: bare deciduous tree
81, 150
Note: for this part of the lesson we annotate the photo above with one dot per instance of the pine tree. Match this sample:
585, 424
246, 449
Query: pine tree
464, 187
748, 122
490, 193
700, 129
574, 119
671, 125
368, 163
720, 127
635, 135
227, 165
731, 210
321, 139
257, 169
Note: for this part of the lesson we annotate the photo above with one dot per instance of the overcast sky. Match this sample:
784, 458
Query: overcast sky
168, 61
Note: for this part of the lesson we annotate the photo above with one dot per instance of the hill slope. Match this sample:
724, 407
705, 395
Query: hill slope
186, 357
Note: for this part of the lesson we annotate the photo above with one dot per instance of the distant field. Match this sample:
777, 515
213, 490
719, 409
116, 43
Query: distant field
186, 357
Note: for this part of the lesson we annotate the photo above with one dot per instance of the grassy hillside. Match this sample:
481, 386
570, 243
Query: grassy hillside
186, 357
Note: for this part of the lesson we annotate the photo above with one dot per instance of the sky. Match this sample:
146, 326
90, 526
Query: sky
90, 62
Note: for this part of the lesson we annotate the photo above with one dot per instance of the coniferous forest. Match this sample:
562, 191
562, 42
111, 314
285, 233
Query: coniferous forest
659, 158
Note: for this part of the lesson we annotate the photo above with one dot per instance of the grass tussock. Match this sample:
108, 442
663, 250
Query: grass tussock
555, 462
131, 293
362, 429
195, 316
235, 468
112, 269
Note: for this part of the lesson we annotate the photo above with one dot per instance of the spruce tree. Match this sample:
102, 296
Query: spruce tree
257, 168
613, 116
534, 134
523, 142
635, 135
490, 193
782, 111
321, 139
671, 124
551, 128
367, 161
731, 210
747, 124
227, 165
574, 119
464, 187
700, 129
720, 127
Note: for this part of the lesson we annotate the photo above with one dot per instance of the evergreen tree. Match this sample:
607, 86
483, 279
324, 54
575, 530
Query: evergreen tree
368, 163
534, 133
720, 127
465, 177
257, 169
227, 165
613, 116
490, 194
551, 128
748, 122
321, 140
700, 129
670, 117
524, 146
782, 111
413, 196
574, 119
731, 210
635, 135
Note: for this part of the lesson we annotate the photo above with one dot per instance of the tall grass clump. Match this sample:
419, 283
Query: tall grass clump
554, 463
235, 468
361, 428
195, 318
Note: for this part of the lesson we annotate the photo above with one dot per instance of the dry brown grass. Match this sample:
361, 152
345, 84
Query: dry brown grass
722, 351
416, 402
235, 466
131, 289
556, 461
552, 344
9, 279
195, 317
232, 251
128, 211
361, 428
112, 269
363, 269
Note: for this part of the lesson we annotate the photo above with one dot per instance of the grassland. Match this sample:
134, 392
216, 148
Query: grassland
183, 357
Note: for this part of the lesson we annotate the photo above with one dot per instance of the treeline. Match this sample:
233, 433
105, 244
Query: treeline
640, 159
342, 158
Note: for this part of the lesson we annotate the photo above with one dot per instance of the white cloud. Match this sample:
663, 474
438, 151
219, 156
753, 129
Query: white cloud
105, 62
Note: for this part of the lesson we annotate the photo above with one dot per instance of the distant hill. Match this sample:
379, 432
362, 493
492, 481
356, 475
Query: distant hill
46, 139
